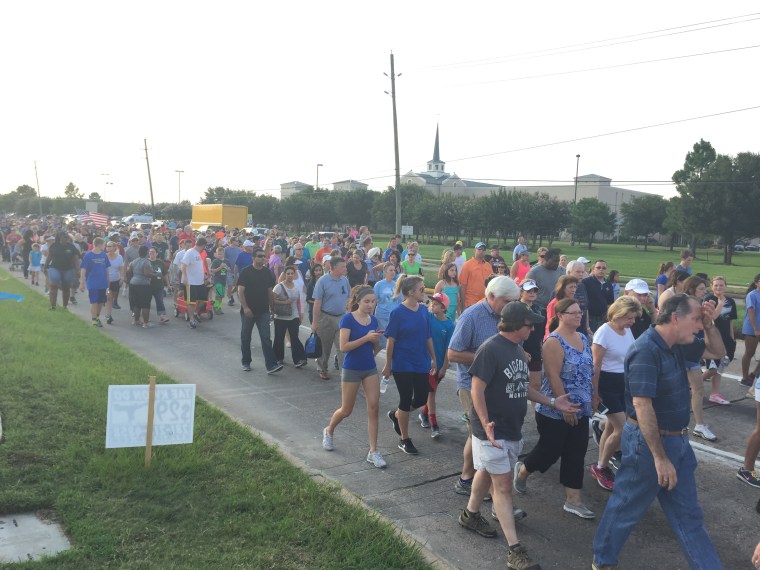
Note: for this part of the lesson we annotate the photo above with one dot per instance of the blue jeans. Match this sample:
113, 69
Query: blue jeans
636, 487
158, 296
262, 323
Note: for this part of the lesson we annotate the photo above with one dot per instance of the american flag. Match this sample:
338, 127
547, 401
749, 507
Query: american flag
86, 217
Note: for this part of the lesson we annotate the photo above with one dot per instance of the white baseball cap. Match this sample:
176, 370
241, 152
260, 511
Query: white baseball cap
583, 260
637, 286
248, 243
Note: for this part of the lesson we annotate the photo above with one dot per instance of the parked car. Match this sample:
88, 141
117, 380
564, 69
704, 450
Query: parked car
738, 247
752, 247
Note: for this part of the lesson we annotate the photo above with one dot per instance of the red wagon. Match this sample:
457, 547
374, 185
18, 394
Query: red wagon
202, 308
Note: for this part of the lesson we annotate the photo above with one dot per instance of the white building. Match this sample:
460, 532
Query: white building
287, 189
348, 185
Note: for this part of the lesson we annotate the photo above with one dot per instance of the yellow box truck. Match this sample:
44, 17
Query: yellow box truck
219, 215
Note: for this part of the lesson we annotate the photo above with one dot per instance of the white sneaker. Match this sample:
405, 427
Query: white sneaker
376, 459
327, 441
703, 431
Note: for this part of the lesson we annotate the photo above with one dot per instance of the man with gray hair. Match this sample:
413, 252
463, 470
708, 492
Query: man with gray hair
476, 325
275, 263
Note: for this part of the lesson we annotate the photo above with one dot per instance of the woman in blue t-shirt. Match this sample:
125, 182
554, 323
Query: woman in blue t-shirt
751, 329
359, 342
410, 355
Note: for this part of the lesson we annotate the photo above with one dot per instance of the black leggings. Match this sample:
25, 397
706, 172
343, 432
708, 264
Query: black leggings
413, 388
557, 439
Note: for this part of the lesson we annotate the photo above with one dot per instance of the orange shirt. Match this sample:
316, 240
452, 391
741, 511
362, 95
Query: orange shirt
321, 252
473, 280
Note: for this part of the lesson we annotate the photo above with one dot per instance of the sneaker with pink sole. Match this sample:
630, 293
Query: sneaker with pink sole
717, 398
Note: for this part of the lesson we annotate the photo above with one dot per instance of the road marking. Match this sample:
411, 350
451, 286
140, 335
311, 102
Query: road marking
720, 453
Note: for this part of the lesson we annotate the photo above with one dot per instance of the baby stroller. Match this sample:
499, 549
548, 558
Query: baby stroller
202, 307
17, 259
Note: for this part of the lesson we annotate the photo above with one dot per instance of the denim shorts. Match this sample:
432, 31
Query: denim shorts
60, 278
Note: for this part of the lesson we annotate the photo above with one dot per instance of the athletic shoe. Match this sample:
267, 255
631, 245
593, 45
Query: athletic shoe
109, 320
394, 421
301, 364
615, 460
231, 302
749, 477
604, 476
97, 323
476, 522
424, 420
518, 514
518, 559
748, 381
596, 430
276, 368
376, 459
464, 418
595, 566
717, 398
579, 510
217, 311
435, 431
327, 441
519, 485
116, 305
407, 446
463, 487
246, 367
52, 308
335, 361
73, 301
703, 431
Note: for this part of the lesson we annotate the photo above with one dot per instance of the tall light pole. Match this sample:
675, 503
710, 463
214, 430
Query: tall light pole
575, 197
316, 186
105, 184
179, 185
395, 145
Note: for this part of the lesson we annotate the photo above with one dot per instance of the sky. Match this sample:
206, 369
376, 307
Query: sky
248, 95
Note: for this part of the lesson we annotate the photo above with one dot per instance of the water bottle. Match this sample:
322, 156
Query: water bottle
723, 364
384, 381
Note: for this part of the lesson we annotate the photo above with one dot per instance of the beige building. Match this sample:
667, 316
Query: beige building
287, 189
348, 185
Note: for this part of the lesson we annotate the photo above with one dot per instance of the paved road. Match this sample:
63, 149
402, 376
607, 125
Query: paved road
416, 493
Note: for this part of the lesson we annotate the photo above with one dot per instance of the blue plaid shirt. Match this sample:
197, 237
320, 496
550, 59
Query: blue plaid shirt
475, 326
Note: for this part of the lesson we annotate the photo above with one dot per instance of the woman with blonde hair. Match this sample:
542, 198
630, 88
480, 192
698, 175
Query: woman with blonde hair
611, 343
446, 257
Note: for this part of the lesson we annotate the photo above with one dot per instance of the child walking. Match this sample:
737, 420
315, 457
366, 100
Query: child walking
35, 263
441, 329
359, 342
449, 286
219, 269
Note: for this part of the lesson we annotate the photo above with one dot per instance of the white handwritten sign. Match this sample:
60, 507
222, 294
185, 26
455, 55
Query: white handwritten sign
127, 419
407, 230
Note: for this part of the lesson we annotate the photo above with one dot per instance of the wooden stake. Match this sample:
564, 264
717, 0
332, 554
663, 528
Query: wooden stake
149, 432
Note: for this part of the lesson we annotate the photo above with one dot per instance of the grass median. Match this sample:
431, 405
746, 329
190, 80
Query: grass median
228, 500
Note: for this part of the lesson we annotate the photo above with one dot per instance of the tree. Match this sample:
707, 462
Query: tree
25, 191
71, 191
719, 194
548, 216
94, 196
590, 216
644, 216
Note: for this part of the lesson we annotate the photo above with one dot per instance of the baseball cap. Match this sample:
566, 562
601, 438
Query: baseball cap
247, 243
517, 312
442, 299
457, 247
528, 285
583, 260
637, 286
480, 245
459, 242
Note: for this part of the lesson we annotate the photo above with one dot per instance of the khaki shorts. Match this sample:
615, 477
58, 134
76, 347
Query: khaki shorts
465, 399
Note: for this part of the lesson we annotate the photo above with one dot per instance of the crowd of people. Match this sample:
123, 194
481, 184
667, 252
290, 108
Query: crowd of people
593, 355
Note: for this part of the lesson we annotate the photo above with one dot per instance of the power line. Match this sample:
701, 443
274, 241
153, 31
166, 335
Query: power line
630, 64
592, 45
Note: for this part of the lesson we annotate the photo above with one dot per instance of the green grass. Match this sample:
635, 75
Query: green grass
226, 501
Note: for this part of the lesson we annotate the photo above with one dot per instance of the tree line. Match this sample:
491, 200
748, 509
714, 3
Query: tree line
716, 201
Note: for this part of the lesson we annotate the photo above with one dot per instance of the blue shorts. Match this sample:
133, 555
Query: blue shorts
60, 278
97, 296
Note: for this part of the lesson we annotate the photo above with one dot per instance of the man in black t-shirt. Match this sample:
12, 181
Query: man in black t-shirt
255, 285
500, 394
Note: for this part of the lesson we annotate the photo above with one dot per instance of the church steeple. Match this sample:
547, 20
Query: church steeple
436, 166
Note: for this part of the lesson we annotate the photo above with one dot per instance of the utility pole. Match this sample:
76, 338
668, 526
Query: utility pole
395, 144
179, 185
575, 198
316, 186
39, 197
150, 182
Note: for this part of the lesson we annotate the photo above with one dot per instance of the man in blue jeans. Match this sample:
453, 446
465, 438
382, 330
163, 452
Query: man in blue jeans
255, 285
658, 461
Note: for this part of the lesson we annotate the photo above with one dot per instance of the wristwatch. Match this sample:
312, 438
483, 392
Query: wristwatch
551, 402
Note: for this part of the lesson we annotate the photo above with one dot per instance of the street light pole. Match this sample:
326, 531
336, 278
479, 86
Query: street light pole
179, 185
575, 197
316, 186
105, 185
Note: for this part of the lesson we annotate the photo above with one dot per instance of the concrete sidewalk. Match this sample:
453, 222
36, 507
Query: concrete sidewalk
416, 493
